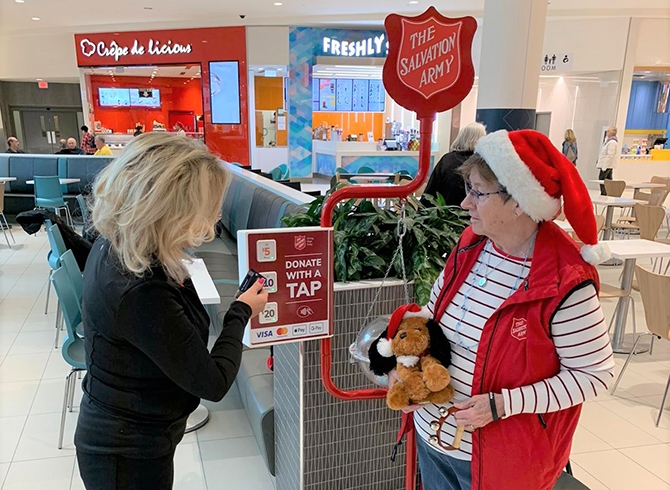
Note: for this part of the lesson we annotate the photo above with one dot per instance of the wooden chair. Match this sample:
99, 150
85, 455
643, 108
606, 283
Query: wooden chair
655, 291
648, 220
663, 192
614, 188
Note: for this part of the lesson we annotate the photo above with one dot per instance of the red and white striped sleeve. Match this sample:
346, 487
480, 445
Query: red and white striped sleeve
587, 363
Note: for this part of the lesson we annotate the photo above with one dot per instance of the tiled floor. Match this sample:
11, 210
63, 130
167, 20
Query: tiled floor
616, 446
221, 455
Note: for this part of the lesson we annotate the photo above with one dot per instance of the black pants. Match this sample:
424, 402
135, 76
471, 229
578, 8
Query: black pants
111, 472
605, 174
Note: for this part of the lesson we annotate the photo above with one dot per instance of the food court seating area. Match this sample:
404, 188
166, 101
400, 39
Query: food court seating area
20, 196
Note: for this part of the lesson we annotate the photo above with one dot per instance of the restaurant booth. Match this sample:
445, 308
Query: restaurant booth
191, 81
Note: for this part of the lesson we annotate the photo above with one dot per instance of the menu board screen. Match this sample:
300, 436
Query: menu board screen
315, 95
360, 95
343, 101
145, 97
377, 96
114, 97
327, 94
347, 95
224, 88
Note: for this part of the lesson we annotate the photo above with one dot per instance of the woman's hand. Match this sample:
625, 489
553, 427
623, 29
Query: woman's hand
255, 297
393, 379
476, 412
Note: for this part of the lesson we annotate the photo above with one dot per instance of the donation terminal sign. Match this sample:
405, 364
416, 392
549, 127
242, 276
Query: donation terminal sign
297, 264
429, 67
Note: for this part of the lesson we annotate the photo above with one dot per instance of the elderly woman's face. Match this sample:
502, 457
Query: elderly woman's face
489, 214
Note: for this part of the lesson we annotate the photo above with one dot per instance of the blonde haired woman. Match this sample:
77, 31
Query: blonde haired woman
146, 331
445, 178
570, 146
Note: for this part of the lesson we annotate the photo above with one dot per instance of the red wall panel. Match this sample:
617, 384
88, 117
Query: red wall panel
174, 94
229, 141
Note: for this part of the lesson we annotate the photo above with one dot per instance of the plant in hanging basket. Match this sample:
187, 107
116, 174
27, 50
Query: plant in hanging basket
366, 238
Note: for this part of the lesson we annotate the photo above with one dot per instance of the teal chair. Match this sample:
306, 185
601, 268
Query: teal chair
72, 349
69, 263
365, 170
284, 171
49, 195
276, 173
58, 248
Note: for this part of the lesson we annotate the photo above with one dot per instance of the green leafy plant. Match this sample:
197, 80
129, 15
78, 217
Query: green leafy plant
366, 238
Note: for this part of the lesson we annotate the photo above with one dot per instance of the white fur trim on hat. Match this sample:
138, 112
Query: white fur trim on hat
595, 254
408, 361
423, 313
384, 347
513, 174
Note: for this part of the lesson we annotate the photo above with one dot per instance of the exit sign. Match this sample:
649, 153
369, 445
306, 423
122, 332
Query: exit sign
42, 84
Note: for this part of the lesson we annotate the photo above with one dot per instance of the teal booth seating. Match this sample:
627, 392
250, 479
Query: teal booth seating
20, 196
251, 202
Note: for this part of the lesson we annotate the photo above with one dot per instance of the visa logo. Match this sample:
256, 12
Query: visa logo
264, 334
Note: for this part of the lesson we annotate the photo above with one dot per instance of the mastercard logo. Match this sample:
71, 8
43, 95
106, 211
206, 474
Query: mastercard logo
281, 331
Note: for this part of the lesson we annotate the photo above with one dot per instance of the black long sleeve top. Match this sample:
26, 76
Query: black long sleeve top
446, 180
147, 360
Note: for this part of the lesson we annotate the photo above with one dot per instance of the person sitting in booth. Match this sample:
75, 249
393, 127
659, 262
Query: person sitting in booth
102, 148
13, 145
518, 302
147, 361
72, 146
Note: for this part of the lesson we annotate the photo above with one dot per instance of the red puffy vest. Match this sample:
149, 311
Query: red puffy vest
527, 451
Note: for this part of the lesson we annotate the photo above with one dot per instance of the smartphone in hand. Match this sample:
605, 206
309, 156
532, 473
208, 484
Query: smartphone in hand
248, 281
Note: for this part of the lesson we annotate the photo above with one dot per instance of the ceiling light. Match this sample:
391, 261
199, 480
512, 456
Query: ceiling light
20, 1
148, 8
413, 2
36, 18
278, 4
38, 79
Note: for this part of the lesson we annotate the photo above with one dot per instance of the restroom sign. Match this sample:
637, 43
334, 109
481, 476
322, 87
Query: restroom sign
297, 264
429, 67
556, 62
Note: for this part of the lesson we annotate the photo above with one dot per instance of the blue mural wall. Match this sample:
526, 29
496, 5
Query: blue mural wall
305, 44
642, 107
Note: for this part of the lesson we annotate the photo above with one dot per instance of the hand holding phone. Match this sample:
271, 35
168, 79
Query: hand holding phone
256, 297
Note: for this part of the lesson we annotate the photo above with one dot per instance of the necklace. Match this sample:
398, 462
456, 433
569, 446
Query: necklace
465, 305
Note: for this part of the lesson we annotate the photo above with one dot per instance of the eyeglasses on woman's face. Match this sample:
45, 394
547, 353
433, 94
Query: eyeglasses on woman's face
479, 196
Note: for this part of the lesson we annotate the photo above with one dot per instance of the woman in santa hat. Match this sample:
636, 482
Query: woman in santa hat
518, 302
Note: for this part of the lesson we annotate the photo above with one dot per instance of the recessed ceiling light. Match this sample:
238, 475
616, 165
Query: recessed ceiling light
413, 2
20, 1
38, 79
148, 8
278, 4
36, 18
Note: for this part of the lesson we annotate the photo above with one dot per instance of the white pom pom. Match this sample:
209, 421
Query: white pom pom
595, 254
423, 313
384, 348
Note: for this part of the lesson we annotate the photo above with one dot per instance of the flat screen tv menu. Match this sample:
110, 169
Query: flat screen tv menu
348, 95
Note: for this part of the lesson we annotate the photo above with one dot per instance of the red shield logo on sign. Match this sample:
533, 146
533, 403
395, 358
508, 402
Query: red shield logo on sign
300, 242
519, 328
429, 59
429, 66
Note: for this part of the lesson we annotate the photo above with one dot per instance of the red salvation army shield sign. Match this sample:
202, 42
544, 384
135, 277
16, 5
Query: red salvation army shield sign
429, 66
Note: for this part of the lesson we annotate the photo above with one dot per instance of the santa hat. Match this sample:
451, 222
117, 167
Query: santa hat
405, 311
537, 175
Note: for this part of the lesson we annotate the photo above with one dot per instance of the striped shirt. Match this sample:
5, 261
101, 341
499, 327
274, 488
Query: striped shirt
579, 334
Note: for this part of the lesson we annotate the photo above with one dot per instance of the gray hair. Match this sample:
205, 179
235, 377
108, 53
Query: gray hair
468, 136
100, 138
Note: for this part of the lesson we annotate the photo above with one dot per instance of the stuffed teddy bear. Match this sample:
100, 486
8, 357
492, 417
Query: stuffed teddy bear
415, 345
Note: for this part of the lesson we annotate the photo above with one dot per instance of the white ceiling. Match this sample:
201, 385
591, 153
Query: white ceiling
101, 16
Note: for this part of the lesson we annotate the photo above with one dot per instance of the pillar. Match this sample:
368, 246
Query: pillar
512, 43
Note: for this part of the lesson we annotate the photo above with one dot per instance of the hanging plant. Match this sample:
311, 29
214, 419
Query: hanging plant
366, 238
